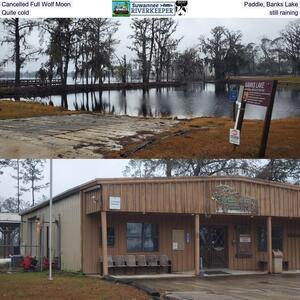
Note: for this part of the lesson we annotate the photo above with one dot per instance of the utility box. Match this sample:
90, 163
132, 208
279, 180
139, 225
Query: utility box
277, 261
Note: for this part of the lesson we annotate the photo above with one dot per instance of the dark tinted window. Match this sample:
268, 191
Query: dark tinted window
277, 237
110, 237
261, 238
142, 237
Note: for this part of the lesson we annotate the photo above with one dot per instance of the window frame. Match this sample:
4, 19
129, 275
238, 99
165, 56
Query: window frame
143, 237
280, 238
108, 228
259, 229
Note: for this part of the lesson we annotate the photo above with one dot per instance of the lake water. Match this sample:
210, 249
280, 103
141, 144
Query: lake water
194, 100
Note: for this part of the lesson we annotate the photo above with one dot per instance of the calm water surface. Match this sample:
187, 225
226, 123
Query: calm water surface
194, 100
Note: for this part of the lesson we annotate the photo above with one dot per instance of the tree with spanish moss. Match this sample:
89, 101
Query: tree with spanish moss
291, 45
15, 33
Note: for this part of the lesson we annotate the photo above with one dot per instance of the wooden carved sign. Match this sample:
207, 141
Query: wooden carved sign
230, 201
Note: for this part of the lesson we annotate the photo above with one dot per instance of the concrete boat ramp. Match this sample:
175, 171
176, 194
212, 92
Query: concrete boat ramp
75, 136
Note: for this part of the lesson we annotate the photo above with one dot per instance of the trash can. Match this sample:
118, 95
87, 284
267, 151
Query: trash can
277, 261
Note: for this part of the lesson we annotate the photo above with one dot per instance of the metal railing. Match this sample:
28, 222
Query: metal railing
30, 82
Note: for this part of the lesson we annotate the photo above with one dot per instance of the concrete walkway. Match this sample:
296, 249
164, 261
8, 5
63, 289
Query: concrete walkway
259, 287
74, 136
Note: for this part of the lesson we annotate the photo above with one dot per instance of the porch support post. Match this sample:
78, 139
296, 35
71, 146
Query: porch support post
104, 242
197, 245
269, 235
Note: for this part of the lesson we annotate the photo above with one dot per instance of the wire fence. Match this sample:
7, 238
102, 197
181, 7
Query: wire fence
13, 262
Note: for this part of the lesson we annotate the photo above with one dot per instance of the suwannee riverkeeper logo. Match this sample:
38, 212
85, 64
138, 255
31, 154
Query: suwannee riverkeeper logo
150, 8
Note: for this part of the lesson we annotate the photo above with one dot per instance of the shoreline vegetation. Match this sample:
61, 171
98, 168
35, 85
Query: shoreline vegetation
10, 109
89, 50
40, 90
48, 90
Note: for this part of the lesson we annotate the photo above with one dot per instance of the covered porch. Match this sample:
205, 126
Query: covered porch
195, 244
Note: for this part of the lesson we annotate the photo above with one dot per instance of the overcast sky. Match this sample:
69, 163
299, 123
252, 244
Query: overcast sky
67, 173
190, 29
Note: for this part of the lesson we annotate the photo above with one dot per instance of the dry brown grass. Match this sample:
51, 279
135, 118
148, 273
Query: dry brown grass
36, 286
209, 138
282, 80
20, 109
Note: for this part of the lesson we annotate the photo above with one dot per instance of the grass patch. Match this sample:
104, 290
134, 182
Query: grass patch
209, 138
282, 80
24, 109
64, 286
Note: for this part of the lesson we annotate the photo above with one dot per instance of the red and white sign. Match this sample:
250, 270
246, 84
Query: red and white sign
234, 136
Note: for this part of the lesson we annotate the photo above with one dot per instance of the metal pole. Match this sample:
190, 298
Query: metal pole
50, 221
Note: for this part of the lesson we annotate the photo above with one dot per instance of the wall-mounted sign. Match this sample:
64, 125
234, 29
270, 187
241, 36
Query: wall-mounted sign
245, 238
178, 239
114, 203
175, 246
258, 92
231, 202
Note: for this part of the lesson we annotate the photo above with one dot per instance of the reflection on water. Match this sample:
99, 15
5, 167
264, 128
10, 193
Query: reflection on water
194, 100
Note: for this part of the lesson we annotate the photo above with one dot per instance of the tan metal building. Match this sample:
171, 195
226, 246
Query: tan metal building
209, 222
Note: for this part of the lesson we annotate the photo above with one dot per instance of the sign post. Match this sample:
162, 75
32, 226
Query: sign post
232, 96
256, 92
234, 133
267, 123
262, 93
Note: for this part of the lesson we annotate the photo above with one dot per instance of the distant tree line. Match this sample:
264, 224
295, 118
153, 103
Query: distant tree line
87, 48
280, 170
28, 174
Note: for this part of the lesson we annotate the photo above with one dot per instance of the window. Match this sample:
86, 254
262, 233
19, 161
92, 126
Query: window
142, 237
277, 237
110, 237
261, 238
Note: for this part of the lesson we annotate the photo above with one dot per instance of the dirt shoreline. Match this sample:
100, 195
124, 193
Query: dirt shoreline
202, 138
85, 135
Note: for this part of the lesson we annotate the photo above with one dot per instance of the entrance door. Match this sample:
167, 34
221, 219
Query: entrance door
213, 246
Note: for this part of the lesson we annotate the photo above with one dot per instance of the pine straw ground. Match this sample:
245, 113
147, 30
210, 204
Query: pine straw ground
36, 286
209, 138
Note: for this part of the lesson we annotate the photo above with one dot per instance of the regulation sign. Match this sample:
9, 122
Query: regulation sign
233, 93
258, 92
234, 136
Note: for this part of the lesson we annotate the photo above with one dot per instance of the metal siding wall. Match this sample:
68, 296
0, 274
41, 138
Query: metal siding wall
291, 243
195, 196
93, 199
70, 212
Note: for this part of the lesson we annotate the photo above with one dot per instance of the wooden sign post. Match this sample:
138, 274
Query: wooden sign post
262, 93
267, 123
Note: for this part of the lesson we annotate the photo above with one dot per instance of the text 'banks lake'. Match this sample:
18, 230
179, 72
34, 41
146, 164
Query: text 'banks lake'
189, 101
